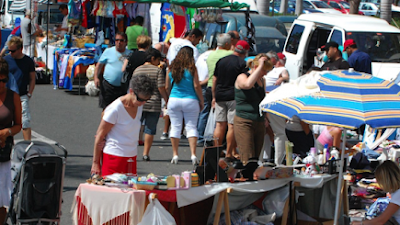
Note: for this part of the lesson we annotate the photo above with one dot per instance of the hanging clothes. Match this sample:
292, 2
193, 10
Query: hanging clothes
88, 20
75, 11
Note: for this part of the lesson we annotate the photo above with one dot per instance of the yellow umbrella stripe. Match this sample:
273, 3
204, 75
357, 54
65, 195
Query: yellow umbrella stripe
346, 84
356, 97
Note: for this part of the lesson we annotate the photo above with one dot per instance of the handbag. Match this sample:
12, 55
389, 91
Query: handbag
5, 152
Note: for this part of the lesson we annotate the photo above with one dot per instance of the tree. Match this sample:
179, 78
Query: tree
386, 10
299, 7
263, 7
354, 5
283, 7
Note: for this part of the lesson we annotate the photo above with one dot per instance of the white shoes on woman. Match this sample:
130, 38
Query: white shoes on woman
175, 159
193, 158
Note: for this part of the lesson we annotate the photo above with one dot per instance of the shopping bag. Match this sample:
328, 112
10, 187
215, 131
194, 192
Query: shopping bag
156, 214
209, 131
91, 89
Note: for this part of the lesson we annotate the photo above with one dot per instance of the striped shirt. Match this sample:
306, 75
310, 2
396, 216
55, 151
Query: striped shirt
158, 78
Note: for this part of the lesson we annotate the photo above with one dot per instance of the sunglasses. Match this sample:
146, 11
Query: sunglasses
5, 80
121, 40
12, 51
140, 99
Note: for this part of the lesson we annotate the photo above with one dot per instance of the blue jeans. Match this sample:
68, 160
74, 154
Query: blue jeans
203, 117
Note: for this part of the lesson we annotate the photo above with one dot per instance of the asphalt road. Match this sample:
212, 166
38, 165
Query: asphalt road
71, 119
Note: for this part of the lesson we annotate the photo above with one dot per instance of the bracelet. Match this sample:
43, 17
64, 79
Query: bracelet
9, 132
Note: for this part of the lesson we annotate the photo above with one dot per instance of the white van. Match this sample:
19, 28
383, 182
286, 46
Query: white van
372, 35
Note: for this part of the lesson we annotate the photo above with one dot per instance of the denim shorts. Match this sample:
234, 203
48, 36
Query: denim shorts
26, 112
150, 120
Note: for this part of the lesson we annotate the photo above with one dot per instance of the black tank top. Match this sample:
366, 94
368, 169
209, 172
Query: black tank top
7, 110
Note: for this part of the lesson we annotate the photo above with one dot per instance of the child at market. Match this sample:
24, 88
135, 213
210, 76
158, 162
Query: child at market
388, 177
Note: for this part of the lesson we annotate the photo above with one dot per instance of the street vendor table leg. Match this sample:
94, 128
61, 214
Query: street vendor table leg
342, 199
226, 207
285, 212
219, 207
345, 198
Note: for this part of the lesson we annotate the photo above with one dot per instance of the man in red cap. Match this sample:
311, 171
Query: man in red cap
223, 94
336, 62
358, 60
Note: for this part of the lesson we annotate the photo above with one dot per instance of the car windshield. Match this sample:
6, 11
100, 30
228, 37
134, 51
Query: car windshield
321, 5
267, 44
381, 47
345, 5
335, 5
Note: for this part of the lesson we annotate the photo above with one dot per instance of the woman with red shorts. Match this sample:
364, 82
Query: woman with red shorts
119, 128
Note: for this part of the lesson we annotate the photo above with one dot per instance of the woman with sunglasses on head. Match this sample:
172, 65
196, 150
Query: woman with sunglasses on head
249, 125
119, 127
185, 100
10, 124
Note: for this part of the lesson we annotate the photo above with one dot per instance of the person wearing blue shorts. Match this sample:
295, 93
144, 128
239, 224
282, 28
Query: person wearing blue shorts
152, 108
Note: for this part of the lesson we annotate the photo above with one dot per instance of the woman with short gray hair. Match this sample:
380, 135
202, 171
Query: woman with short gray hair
115, 146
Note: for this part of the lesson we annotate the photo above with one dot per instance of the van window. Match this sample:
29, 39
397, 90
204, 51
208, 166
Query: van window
337, 37
381, 47
294, 39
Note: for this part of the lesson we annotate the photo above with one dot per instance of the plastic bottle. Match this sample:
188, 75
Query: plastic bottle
313, 152
130, 167
326, 153
335, 153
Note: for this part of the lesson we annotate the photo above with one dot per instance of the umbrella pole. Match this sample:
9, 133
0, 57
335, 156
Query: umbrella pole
340, 178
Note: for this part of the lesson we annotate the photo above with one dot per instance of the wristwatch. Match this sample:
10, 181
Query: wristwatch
29, 95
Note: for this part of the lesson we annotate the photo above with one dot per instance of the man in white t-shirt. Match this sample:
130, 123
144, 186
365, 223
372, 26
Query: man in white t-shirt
29, 31
278, 74
191, 39
64, 26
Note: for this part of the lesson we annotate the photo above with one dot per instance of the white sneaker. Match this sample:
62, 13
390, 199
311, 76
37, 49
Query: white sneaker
175, 159
194, 160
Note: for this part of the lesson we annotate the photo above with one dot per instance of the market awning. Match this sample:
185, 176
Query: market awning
18, 5
198, 4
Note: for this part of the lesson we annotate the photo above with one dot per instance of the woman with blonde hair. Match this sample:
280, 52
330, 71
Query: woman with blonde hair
185, 101
388, 177
249, 125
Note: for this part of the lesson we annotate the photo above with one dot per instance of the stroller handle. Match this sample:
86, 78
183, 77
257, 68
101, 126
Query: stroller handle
57, 144
63, 149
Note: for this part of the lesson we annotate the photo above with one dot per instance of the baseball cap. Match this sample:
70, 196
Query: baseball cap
348, 43
281, 55
242, 47
328, 45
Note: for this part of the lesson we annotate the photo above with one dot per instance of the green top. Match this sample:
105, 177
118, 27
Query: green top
212, 60
133, 32
247, 103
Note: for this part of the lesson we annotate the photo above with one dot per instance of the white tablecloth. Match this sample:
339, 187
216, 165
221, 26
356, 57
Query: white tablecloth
41, 52
104, 204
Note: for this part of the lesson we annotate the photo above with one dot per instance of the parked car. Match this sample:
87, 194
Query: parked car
319, 5
340, 5
372, 35
287, 21
291, 6
270, 33
369, 9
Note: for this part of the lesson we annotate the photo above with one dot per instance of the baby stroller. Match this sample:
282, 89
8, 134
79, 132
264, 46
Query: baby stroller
37, 173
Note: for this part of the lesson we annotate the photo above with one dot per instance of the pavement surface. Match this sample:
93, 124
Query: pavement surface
71, 119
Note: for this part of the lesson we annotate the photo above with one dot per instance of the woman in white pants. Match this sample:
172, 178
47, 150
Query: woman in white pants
185, 101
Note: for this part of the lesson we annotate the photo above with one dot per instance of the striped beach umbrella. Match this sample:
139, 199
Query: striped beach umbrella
345, 99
